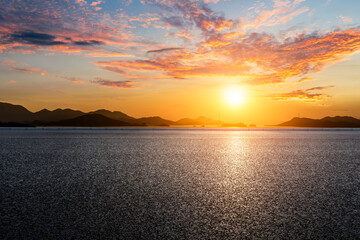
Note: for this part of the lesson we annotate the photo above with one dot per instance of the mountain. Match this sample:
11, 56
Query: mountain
69, 117
342, 119
149, 121
14, 113
114, 115
326, 122
155, 121
17, 113
90, 120
199, 121
56, 115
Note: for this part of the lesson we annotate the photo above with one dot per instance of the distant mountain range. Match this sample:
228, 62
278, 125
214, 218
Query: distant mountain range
326, 122
199, 121
17, 115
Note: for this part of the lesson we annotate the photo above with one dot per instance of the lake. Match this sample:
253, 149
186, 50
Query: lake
179, 184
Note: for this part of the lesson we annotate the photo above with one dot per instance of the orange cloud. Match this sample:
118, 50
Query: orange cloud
259, 58
304, 79
303, 95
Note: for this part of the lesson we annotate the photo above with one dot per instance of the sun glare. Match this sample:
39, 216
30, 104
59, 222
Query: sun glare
234, 95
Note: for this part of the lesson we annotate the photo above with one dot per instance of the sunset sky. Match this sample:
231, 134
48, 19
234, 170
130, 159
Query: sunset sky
176, 58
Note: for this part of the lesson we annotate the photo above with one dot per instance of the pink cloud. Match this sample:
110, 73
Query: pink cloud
21, 67
114, 84
61, 27
283, 11
95, 3
72, 79
345, 19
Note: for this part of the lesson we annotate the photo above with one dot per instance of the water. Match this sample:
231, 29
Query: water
179, 184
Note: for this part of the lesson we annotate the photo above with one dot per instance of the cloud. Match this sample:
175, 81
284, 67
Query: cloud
257, 58
21, 67
214, 46
88, 43
303, 95
175, 21
72, 79
211, 1
188, 13
282, 12
304, 79
319, 88
114, 84
81, 2
95, 3
34, 38
114, 69
60, 26
43, 39
108, 54
345, 19
164, 50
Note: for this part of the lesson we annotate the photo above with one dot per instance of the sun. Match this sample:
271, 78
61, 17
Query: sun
234, 95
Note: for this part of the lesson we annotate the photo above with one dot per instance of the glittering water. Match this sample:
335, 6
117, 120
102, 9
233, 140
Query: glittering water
179, 184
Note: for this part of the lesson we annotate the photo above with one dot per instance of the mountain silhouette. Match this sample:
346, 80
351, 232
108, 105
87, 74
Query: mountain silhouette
18, 116
155, 121
56, 115
14, 113
69, 117
115, 115
342, 119
18, 113
199, 121
90, 120
326, 122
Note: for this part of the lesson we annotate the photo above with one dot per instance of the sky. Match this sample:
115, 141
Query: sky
174, 59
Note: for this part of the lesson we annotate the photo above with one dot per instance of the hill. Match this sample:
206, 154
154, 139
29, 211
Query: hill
114, 115
155, 121
90, 120
199, 121
326, 122
342, 119
14, 113
18, 113
56, 115
69, 117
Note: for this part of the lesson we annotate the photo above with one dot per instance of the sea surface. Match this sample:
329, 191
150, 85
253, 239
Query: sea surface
179, 184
